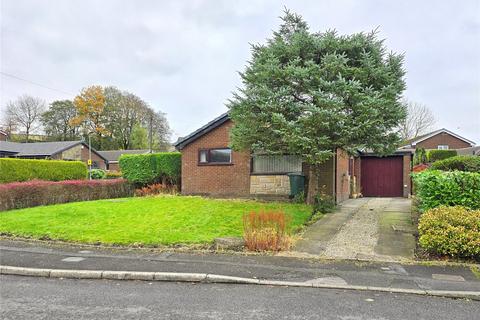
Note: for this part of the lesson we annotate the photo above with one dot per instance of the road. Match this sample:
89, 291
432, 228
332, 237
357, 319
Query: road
41, 298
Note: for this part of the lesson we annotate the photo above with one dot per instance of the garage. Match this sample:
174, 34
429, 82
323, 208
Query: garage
382, 176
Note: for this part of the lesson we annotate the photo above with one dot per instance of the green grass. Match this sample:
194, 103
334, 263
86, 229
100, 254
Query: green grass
142, 221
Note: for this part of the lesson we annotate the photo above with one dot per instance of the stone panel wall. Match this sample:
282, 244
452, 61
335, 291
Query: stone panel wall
270, 184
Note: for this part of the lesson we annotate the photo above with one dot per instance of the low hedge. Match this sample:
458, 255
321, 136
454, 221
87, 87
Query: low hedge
17, 170
18, 195
461, 163
452, 231
142, 169
435, 188
435, 155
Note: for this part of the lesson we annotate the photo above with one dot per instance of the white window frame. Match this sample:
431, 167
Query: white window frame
442, 147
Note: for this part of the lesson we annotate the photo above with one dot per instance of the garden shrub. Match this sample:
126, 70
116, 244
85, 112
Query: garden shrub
420, 156
33, 193
435, 155
142, 169
323, 203
155, 189
434, 188
266, 230
462, 163
113, 174
452, 231
97, 174
17, 170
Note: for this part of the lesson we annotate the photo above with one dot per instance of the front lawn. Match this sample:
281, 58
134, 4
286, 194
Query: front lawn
142, 221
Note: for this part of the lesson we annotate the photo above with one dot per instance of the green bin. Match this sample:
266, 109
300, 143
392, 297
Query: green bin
297, 183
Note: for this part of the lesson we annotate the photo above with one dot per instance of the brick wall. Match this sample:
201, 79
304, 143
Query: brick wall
220, 180
407, 181
3, 137
443, 139
343, 177
114, 167
326, 177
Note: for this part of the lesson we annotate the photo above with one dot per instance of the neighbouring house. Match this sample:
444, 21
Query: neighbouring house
58, 150
210, 167
441, 139
112, 157
3, 135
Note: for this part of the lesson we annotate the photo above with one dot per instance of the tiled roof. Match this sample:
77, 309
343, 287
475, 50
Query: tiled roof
114, 155
182, 142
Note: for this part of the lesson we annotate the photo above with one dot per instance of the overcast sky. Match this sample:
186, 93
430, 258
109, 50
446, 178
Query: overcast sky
182, 57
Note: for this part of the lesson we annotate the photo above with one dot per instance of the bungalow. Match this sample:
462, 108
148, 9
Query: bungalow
441, 139
210, 167
58, 150
112, 157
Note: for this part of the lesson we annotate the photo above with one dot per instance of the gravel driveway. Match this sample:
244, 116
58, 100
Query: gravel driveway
365, 229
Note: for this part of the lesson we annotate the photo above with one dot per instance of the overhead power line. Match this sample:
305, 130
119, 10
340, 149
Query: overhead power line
34, 83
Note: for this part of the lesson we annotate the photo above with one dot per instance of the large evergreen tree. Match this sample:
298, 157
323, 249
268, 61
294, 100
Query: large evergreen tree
310, 93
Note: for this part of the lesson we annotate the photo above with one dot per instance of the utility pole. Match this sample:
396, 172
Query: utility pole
151, 132
89, 157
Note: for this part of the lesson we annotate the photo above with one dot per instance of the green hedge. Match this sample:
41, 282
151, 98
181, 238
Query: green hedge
435, 188
143, 169
462, 163
13, 170
435, 155
453, 231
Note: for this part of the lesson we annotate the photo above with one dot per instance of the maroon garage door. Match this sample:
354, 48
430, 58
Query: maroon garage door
382, 177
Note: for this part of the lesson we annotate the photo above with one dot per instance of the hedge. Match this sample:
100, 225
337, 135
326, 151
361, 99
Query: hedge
453, 231
462, 163
18, 195
435, 155
142, 169
435, 188
17, 170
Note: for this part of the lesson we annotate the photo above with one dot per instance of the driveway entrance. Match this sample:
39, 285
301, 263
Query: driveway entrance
366, 229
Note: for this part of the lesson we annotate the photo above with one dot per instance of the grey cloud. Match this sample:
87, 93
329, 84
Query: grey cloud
182, 57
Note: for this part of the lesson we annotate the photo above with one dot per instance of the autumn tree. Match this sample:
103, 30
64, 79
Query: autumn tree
90, 106
419, 120
25, 113
309, 93
57, 121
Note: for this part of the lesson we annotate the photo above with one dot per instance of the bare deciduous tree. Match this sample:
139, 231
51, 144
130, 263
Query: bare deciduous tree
25, 113
419, 120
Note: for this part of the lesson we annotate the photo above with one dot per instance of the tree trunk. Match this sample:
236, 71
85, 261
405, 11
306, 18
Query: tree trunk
313, 187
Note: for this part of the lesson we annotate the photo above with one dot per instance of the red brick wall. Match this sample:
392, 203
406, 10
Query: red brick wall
220, 180
3, 137
407, 181
357, 173
343, 178
443, 139
113, 167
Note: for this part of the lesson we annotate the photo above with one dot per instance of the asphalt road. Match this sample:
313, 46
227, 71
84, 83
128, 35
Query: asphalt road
40, 298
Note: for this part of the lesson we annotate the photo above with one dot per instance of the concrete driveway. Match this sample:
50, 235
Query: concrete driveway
367, 229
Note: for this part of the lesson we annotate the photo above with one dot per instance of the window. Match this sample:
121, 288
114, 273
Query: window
215, 156
442, 147
276, 164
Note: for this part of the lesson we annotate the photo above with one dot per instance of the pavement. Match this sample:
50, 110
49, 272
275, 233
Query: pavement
387, 275
44, 298
377, 229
